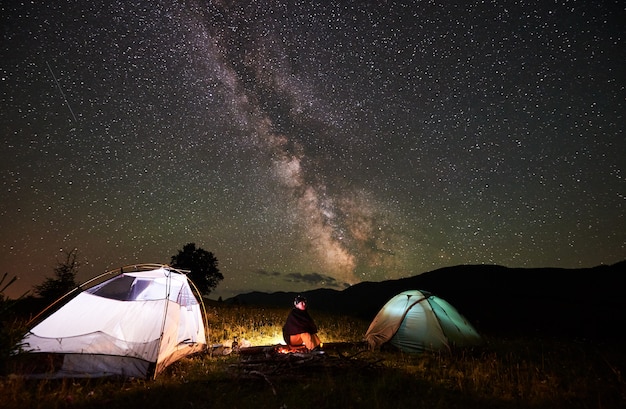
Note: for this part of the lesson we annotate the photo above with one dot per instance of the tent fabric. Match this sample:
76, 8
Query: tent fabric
134, 324
417, 321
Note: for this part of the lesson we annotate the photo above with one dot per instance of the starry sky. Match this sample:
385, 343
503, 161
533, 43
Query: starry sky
311, 144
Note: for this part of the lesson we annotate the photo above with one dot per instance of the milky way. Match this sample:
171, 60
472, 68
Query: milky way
312, 144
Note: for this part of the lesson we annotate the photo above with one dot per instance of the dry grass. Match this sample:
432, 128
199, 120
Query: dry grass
263, 326
504, 373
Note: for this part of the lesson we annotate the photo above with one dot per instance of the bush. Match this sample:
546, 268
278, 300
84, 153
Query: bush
11, 328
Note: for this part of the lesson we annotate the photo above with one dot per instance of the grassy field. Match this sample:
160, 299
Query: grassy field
529, 372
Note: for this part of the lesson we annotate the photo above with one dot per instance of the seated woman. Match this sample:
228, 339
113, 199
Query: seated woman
300, 329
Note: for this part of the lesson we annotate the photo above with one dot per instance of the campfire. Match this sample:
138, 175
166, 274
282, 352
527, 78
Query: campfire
273, 362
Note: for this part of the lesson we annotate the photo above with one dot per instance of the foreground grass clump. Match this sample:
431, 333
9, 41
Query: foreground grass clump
504, 373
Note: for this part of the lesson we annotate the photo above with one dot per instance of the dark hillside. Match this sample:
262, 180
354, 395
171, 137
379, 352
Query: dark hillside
586, 302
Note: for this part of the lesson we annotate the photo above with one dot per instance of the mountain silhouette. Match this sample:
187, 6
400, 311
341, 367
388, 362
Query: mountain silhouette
582, 303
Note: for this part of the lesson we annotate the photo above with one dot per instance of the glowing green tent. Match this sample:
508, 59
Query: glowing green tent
417, 321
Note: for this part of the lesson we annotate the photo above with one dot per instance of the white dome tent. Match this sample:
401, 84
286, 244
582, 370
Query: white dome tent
134, 325
417, 321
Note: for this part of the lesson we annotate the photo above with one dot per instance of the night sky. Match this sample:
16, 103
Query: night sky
311, 144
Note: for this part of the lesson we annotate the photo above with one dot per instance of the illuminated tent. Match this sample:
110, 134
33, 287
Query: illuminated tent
134, 325
417, 321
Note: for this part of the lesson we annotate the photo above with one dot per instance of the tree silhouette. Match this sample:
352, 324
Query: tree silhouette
64, 278
202, 265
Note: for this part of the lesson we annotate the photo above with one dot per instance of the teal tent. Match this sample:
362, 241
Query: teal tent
417, 321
